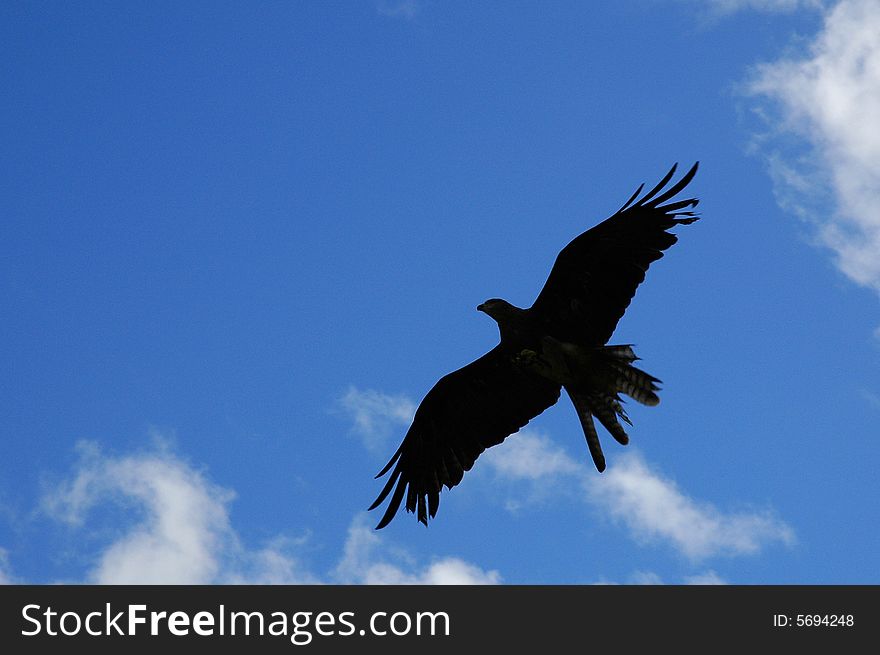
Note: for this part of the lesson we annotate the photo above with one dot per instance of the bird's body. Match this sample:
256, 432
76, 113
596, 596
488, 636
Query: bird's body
538, 351
558, 343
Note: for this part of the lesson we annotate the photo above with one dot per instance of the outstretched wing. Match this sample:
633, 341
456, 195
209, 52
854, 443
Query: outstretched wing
596, 275
467, 411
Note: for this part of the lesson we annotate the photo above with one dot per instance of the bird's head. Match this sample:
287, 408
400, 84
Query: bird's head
497, 309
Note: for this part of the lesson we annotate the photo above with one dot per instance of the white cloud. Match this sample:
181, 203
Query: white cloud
829, 101
182, 533
177, 527
528, 455
376, 414
362, 563
654, 509
651, 506
275, 563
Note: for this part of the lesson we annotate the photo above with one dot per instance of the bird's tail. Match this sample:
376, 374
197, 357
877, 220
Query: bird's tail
615, 375
627, 379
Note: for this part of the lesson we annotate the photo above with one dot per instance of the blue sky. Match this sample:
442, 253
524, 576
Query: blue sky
240, 241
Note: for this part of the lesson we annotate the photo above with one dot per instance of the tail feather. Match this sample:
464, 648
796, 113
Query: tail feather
634, 382
607, 410
624, 352
582, 406
602, 399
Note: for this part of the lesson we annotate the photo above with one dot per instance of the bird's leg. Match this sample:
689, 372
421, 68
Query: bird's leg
526, 358
530, 360
551, 361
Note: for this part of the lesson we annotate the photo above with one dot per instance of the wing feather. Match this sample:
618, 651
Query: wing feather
467, 411
596, 276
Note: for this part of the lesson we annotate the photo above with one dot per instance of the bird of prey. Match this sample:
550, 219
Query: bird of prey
557, 343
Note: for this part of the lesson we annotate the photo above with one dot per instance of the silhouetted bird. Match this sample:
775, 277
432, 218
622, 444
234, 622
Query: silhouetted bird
559, 342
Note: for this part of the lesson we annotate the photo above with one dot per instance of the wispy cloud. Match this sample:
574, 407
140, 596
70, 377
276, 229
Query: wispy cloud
872, 398
731, 6
828, 101
375, 415
407, 9
653, 508
528, 462
645, 578
708, 577
530, 456
705, 578
366, 561
713, 11
5, 572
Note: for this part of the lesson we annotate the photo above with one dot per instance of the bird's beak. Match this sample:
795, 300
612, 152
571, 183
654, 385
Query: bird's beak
481, 308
